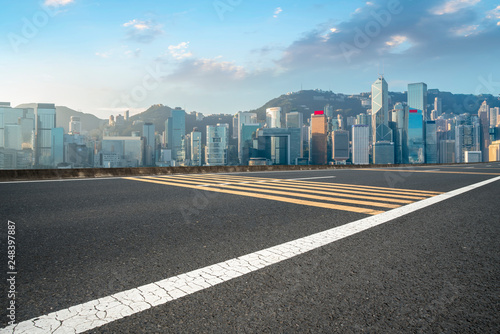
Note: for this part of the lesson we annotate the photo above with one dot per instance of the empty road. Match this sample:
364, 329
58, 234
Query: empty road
384, 250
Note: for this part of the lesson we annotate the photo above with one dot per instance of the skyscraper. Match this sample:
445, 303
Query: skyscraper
244, 118
360, 144
45, 121
380, 106
294, 119
318, 152
340, 145
75, 126
484, 115
217, 143
195, 147
400, 120
273, 117
417, 98
176, 130
415, 138
431, 144
438, 106
148, 132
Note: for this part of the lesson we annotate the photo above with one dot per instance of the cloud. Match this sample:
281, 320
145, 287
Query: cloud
143, 31
396, 40
57, 3
407, 33
466, 30
494, 14
103, 54
179, 51
277, 12
453, 6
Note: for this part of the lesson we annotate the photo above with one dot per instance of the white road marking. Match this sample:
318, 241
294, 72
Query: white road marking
312, 178
96, 313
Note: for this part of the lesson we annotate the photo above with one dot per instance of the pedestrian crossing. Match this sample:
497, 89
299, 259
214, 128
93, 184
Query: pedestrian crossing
336, 196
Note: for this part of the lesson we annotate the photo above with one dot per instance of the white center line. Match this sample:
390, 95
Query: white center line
96, 313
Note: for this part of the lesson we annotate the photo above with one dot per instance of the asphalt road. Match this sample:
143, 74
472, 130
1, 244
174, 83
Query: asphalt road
433, 270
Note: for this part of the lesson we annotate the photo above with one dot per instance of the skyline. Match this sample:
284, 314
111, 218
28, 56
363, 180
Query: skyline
74, 53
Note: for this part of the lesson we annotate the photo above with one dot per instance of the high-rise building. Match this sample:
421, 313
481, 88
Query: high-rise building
148, 132
45, 115
273, 117
329, 111
467, 136
484, 115
247, 134
417, 98
380, 106
175, 128
383, 153
235, 126
438, 106
318, 150
244, 118
360, 145
340, 145
57, 146
294, 119
196, 147
415, 138
431, 144
447, 151
494, 116
217, 144
400, 121
75, 125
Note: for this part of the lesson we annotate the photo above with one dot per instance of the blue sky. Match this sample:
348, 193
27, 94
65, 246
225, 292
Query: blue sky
221, 56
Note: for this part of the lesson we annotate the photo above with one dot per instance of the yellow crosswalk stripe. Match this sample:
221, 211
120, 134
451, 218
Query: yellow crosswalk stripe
336, 185
261, 188
297, 191
263, 196
397, 193
307, 189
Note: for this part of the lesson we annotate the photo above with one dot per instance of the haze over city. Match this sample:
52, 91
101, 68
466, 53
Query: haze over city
102, 57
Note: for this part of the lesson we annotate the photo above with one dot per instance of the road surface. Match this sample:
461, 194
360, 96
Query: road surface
348, 251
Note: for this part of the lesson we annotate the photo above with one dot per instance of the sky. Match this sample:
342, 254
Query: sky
221, 56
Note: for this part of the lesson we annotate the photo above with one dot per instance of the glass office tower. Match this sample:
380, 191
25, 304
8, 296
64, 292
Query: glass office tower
417, 98
415, 139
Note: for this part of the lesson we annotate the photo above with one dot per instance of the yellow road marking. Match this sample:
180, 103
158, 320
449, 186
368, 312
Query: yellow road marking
262, 196
303, 188
325, 186
215, 178
278, 192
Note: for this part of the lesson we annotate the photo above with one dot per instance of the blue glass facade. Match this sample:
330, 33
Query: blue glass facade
416, 141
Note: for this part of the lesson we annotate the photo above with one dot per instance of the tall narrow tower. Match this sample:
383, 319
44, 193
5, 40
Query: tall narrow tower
380, 106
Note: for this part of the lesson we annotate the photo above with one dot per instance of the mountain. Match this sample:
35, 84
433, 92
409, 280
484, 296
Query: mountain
158, 114
63, 116
308, 101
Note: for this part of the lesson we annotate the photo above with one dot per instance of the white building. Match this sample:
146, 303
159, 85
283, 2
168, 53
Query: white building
217, 145
273, 117
360, 144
